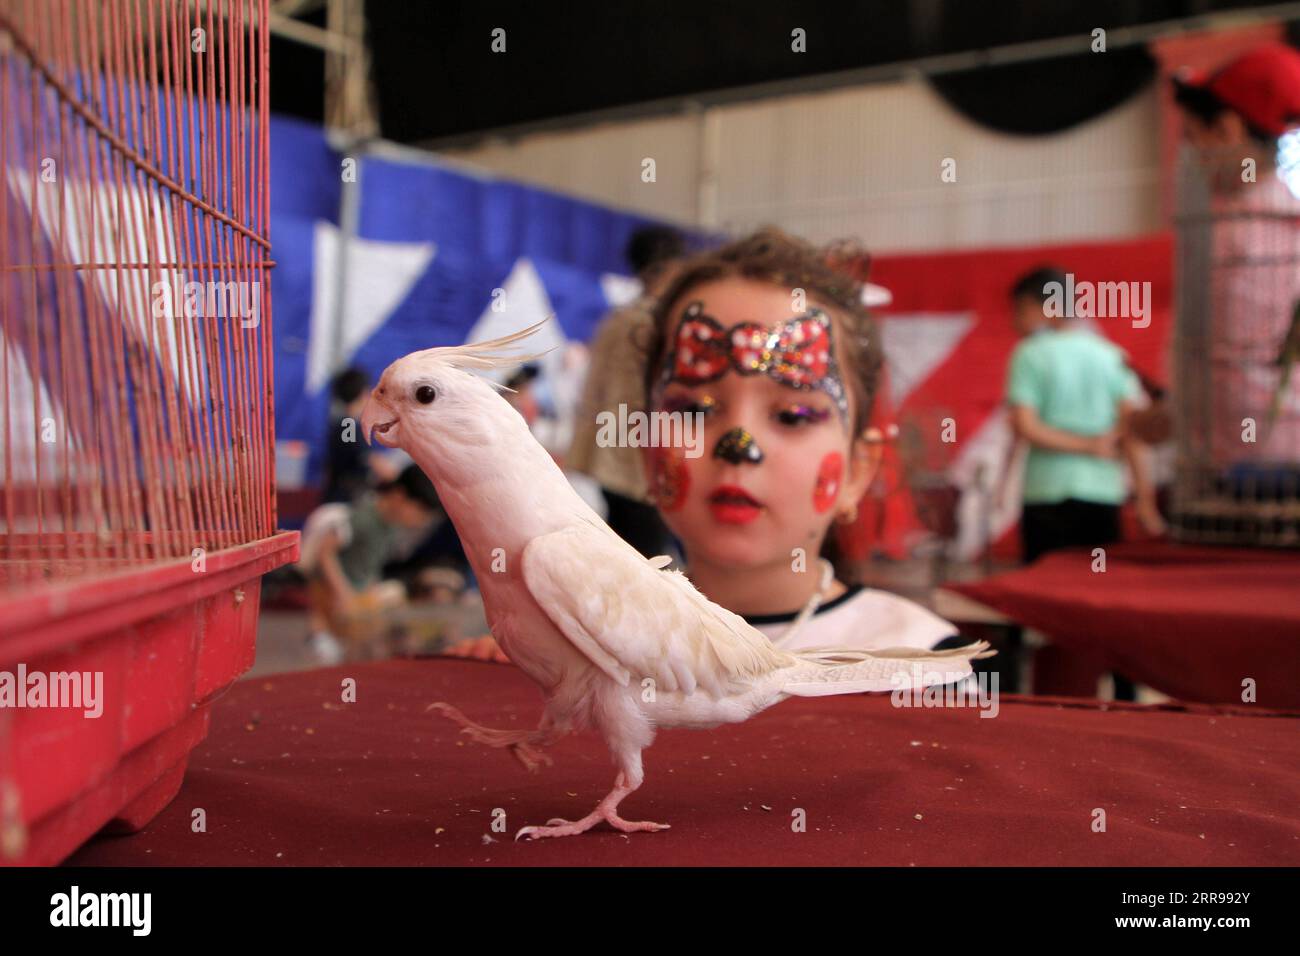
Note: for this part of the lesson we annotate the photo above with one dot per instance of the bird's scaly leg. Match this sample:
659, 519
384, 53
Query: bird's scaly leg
522, 743
605, 810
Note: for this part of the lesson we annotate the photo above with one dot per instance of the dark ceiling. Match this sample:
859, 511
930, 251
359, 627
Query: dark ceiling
437, 78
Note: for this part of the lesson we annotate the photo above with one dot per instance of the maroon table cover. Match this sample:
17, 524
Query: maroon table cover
290, 776
1192, 622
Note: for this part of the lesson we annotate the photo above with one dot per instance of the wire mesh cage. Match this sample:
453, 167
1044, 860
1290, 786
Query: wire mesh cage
137, 431
136, 345
1236, 344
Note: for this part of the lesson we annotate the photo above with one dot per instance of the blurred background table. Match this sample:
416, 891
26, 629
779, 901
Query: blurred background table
1191, 622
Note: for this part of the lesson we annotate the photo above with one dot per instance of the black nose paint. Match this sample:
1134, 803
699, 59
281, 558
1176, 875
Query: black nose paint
738, 446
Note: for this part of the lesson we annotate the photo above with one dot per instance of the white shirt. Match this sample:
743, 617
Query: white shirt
862, 619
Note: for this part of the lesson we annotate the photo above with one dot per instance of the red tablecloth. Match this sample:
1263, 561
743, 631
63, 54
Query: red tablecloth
1192, 622
292, 776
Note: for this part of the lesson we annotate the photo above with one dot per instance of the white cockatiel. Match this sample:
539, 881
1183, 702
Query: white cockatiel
617, 643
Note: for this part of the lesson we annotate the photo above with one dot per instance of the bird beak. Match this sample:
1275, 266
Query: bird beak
377, 421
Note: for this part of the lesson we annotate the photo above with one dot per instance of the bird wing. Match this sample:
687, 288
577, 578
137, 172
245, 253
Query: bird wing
634, 620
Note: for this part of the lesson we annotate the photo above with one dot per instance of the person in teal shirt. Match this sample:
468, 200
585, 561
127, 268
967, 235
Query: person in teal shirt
1069, 391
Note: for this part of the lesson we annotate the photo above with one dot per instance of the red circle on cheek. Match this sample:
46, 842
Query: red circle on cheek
827, 487
672, 480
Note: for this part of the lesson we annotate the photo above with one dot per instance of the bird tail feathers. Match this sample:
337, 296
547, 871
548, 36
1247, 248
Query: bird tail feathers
824, 671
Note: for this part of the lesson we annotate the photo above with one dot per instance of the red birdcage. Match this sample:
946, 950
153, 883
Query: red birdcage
138, 510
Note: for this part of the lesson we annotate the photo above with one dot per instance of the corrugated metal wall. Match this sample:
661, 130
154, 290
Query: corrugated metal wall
603, 163
862, 162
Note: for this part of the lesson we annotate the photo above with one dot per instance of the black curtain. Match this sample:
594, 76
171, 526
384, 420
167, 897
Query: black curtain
1047, 96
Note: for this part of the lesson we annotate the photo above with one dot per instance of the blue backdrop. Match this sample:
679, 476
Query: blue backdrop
480, 230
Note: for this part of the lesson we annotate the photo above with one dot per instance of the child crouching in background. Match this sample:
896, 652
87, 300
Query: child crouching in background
344, 551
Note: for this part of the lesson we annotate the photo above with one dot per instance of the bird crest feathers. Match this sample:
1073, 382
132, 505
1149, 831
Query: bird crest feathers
490, 355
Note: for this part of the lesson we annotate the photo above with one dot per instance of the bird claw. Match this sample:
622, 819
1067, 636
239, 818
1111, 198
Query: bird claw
564, 828
530, 832
558, 827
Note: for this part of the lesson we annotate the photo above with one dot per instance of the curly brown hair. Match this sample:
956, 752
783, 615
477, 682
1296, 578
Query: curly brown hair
773, 255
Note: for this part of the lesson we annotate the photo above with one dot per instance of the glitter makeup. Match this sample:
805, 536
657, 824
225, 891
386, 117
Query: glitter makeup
797, 414
798, 352
689, 404
827, 486
672, 480
738, 447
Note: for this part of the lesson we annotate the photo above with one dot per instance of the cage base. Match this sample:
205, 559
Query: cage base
166, 640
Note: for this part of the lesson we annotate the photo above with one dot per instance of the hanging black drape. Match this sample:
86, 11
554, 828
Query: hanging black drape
1047, 96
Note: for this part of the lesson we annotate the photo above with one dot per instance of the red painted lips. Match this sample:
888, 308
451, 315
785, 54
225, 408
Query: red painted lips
731, 504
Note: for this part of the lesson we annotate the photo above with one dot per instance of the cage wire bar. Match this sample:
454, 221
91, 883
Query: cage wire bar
1235, 348
135, 347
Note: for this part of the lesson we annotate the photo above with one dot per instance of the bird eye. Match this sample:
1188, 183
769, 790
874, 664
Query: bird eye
425, 394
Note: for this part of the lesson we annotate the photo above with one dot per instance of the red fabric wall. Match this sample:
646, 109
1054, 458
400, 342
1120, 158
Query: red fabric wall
968, 383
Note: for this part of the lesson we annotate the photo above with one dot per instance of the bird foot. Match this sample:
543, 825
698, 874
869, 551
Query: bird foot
519, 741
559, 827
531, 757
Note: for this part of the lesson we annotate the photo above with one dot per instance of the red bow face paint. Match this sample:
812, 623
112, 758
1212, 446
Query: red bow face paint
672, 480
827, 488
797, 352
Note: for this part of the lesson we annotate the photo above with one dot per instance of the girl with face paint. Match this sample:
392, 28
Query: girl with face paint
770, 346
